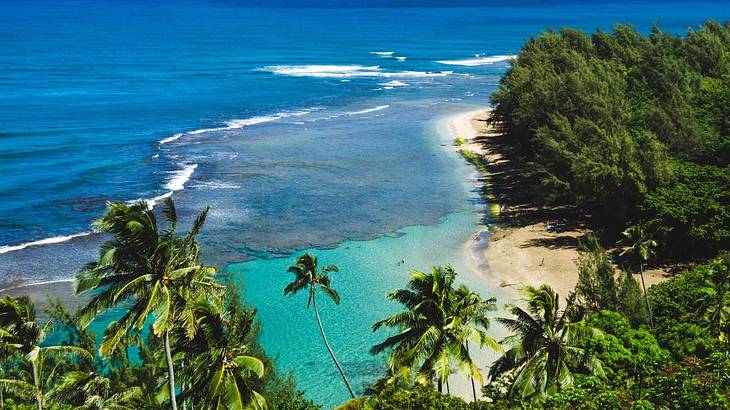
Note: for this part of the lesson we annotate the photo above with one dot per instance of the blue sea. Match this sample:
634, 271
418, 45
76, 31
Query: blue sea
303, 125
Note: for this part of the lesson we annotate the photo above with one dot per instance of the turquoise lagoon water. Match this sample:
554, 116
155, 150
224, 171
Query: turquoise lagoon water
304, 128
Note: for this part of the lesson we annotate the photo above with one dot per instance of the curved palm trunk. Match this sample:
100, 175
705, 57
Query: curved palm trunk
36, 382
329, 349
471, 378
170, 371
440, 385
646, 296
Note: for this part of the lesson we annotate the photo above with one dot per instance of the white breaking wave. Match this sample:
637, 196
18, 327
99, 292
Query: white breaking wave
401, 58
378, 108
44, 282
394, 83
180, 177
382, 53
176, 182
47, 241
171, 139
238, 123
473, 62
347, 71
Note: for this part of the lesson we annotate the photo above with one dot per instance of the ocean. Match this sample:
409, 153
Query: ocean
303, 128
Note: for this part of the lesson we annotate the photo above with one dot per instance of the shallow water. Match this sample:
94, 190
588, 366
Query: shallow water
308, 128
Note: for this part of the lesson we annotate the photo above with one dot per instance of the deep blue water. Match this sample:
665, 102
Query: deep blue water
294, 130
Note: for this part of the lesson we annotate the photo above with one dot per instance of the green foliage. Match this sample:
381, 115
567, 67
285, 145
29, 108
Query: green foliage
691, 386
598, 288
283, 395
630, 355
694, 208
419, 398
679, 327
587, 393
628, 126
473, 159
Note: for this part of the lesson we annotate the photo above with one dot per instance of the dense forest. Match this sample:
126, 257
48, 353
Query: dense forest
633, 129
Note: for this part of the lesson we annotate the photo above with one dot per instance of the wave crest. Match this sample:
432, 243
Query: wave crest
347, 71
473, 62
41, 242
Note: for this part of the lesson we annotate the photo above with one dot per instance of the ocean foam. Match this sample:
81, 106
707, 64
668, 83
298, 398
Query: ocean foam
39, 283
401, 58
378, 108
473, 62
216, 185
239, 123
394, 83
382, 53
180, 177
171, 139
47, 241
347, 71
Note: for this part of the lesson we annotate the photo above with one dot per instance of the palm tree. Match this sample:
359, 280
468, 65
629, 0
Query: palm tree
149, 270
642, 245
222, 375
436, 327
545, 346
91, 391
21, 333
309, 276
470, 321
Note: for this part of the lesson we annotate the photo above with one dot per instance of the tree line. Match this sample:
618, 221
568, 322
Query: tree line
634, 129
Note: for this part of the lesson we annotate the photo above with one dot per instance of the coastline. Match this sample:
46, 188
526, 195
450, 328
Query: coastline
519, 244
512, 255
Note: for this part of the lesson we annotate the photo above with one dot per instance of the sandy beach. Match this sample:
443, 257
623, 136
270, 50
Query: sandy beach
523, 244
517, 253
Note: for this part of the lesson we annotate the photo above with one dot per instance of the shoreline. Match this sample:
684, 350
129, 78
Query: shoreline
520, 244
514, 255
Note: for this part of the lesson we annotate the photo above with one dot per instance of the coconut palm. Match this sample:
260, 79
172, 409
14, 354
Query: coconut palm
309, 276
150, 271
20, 333
222, 374
91, 391
641, 244
545, 347
469, 323
436, 327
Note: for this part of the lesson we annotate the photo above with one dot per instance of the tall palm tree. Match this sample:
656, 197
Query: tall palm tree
642, 245
545, 346
151, 271
436, 327
309, 276
21, 333
222, 375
